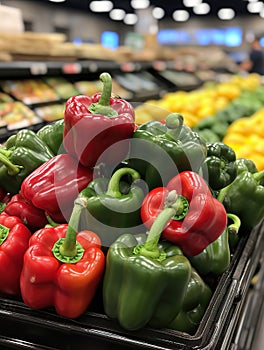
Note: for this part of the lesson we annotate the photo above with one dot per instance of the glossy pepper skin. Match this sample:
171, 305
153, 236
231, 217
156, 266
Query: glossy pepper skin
145, 280
159, 151
109, 210
245, 164
98, 128
200, 219
32, 217
69, 288
52, 135
244, 197
215, 258
23, 153
62, 268
219, 167
14, 238
195, 303
54, 186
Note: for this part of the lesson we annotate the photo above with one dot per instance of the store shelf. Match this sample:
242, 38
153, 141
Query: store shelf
19, 69
248, 335
142, 80
34, 68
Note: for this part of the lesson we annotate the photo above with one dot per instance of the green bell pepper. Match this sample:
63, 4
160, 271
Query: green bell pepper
113, 205
160, 151
244, 197
219, 167
23, 153
52, 135
245, 164
215, 258
195, 303
145, 279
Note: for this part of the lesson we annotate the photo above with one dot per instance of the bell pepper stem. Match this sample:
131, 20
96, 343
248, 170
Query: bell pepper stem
103, 106
68, 249
150, 247
113, 188
107, 89
234, 227
259, 175
12, 169
223, 192
51, 223
174, 123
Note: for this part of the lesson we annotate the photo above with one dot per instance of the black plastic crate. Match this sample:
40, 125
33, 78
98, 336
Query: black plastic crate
23, 328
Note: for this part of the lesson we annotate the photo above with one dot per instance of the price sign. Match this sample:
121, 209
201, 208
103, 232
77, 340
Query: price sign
71, 68
38, 68
127, 67
93, 67
159, 65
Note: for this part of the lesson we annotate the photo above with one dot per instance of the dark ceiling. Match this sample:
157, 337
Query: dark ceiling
240, 6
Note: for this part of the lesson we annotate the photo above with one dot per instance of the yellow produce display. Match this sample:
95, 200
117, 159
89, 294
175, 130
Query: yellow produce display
246, 137
197, 104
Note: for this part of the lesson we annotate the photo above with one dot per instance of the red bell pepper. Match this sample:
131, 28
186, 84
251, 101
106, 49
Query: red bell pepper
62, 268
200, 219
32, 217
54, 186
14, 237
95, 126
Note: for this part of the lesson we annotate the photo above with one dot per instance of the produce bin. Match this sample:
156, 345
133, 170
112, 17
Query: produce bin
23, 328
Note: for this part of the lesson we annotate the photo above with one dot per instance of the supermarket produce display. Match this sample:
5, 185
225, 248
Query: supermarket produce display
119, 217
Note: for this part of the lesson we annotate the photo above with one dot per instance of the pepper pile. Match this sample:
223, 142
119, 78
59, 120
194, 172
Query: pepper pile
149, 214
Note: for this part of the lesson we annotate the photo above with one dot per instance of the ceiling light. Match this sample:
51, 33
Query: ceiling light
130, 18
202, 9
139, 4
158, 12
117, 14
180, 15
226, 14
57, 0
191, 3
101, 6
255, 7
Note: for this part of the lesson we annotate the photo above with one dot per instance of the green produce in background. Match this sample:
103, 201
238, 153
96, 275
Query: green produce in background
23, 153
208, 135
195, 303
214, 124
244, 106
52, 135
159, 151
219, 168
